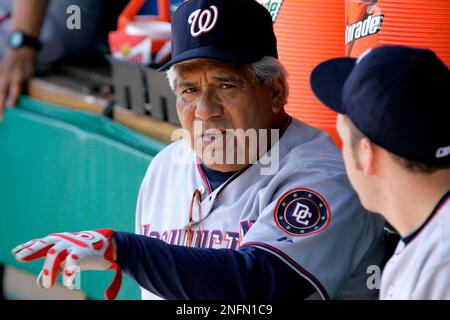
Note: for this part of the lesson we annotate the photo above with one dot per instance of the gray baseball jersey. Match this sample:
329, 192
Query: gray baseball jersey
305, 213
420, 266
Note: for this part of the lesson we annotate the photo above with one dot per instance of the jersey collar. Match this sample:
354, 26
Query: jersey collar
406, 240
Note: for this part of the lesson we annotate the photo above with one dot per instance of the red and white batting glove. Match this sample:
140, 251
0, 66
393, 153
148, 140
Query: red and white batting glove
69, 252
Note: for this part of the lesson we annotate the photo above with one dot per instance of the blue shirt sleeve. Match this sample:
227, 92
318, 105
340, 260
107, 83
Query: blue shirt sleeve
178, 272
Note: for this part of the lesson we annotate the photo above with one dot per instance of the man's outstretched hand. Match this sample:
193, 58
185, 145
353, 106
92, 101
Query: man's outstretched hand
70, 252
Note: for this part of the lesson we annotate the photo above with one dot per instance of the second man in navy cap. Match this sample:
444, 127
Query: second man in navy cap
394, 120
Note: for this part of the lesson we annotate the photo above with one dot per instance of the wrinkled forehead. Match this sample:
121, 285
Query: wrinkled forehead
202, 65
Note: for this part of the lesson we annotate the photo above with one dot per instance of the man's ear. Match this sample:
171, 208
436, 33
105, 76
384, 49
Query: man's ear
278, 95
367, 154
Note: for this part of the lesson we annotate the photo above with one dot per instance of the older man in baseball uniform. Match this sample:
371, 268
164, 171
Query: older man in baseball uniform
275, 219
394, 110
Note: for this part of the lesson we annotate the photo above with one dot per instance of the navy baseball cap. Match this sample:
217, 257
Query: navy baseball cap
399, 97
239, 31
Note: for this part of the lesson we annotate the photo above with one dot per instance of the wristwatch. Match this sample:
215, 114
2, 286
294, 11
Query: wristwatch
18, 39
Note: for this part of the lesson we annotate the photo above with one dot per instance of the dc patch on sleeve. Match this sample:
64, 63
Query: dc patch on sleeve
301, 212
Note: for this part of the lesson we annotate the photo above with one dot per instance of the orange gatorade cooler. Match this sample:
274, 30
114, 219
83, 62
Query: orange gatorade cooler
417, 23
308, 32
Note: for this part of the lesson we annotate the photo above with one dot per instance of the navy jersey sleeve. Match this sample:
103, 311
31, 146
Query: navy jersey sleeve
178, 272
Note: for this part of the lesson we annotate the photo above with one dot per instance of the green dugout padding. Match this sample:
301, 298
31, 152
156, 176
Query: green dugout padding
63, 170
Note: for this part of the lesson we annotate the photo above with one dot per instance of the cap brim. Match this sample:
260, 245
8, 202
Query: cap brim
212, 53
327, 81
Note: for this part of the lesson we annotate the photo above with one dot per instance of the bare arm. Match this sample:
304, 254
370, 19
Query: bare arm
16, 67
28, 15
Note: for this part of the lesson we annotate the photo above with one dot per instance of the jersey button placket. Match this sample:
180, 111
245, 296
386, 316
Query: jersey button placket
207, 204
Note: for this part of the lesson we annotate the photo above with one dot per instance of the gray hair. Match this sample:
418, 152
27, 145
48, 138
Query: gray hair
264, 72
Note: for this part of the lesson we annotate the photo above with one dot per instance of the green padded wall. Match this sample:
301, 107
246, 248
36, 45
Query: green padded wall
63, 170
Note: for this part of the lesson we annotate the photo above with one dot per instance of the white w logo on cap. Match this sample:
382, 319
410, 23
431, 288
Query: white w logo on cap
203, 21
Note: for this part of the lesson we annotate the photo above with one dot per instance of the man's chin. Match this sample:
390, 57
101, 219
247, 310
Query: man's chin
224, 167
